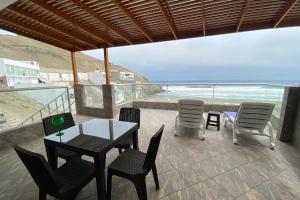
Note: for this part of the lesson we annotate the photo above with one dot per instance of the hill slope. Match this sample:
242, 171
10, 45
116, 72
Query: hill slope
51, 59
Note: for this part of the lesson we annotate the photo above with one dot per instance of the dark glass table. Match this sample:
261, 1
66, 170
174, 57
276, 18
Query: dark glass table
92, 138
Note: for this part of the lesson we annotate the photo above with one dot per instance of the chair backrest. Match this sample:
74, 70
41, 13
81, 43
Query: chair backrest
39, 169
191, 112
130, 115
153, 149
50, 129
253, 115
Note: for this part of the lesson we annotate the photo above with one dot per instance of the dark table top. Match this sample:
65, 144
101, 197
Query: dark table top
92, 136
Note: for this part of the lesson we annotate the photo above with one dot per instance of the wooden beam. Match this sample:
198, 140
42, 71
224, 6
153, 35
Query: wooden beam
37, 32
52, 25
107, 66
246, 8
167, 18
203, 18
133, 19
62, 15
106, 23
284, 12
74, 68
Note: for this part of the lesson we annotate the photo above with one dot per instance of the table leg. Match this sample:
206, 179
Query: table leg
135, 139
51, 155
218, 121
100, 176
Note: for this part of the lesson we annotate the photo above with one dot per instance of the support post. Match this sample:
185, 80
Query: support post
74, 67
107, 67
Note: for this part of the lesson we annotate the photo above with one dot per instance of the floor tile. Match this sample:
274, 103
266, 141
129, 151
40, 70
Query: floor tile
233, 181
188, 168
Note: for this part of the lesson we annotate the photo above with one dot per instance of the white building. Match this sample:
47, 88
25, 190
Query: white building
14, 72
128, 76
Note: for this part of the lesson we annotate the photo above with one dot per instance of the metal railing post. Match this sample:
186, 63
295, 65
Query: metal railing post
56, 106
213, 97
68, 98
63, 102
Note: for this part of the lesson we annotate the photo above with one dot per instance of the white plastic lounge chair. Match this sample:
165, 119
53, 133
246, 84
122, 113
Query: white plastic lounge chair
191, 115
251, 118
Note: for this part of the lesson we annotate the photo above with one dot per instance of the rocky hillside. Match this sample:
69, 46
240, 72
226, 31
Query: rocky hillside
51, 59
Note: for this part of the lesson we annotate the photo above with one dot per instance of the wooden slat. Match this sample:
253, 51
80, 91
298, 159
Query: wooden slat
102, 20
74, 22
284, 12
119, 4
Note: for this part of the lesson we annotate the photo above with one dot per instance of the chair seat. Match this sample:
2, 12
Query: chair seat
124, 143
74, 174
66, 154
129, 162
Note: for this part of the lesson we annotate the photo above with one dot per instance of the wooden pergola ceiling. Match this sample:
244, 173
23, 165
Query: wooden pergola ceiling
77, 25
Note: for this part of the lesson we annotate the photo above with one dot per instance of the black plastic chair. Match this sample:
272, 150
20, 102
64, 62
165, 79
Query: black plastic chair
134, 165
65, 182
49, 129
128, 115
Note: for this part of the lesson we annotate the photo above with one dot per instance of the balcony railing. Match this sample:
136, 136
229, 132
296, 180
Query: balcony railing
19, 107
24, 106
228, 94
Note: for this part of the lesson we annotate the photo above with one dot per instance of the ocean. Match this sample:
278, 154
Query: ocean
273, 82
220, 92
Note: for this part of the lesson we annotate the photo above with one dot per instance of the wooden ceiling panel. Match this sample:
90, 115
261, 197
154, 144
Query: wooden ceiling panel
295, 11
89, 24
264, 11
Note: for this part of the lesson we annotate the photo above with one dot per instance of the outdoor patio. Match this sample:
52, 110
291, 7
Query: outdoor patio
188, 168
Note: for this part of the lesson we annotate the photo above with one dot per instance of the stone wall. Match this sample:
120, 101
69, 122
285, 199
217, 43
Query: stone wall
289, 122
296, 134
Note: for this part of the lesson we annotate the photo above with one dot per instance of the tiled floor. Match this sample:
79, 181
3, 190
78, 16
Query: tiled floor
189, 169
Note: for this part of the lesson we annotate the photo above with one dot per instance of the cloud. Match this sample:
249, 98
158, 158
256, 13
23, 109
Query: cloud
261, 48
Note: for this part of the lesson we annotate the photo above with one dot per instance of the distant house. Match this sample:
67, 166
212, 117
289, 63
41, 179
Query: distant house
126, 76
14, 72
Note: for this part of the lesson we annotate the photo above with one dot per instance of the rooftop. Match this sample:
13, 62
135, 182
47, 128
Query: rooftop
188, 167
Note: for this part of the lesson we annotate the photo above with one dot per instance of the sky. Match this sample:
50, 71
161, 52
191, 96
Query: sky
272, 54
